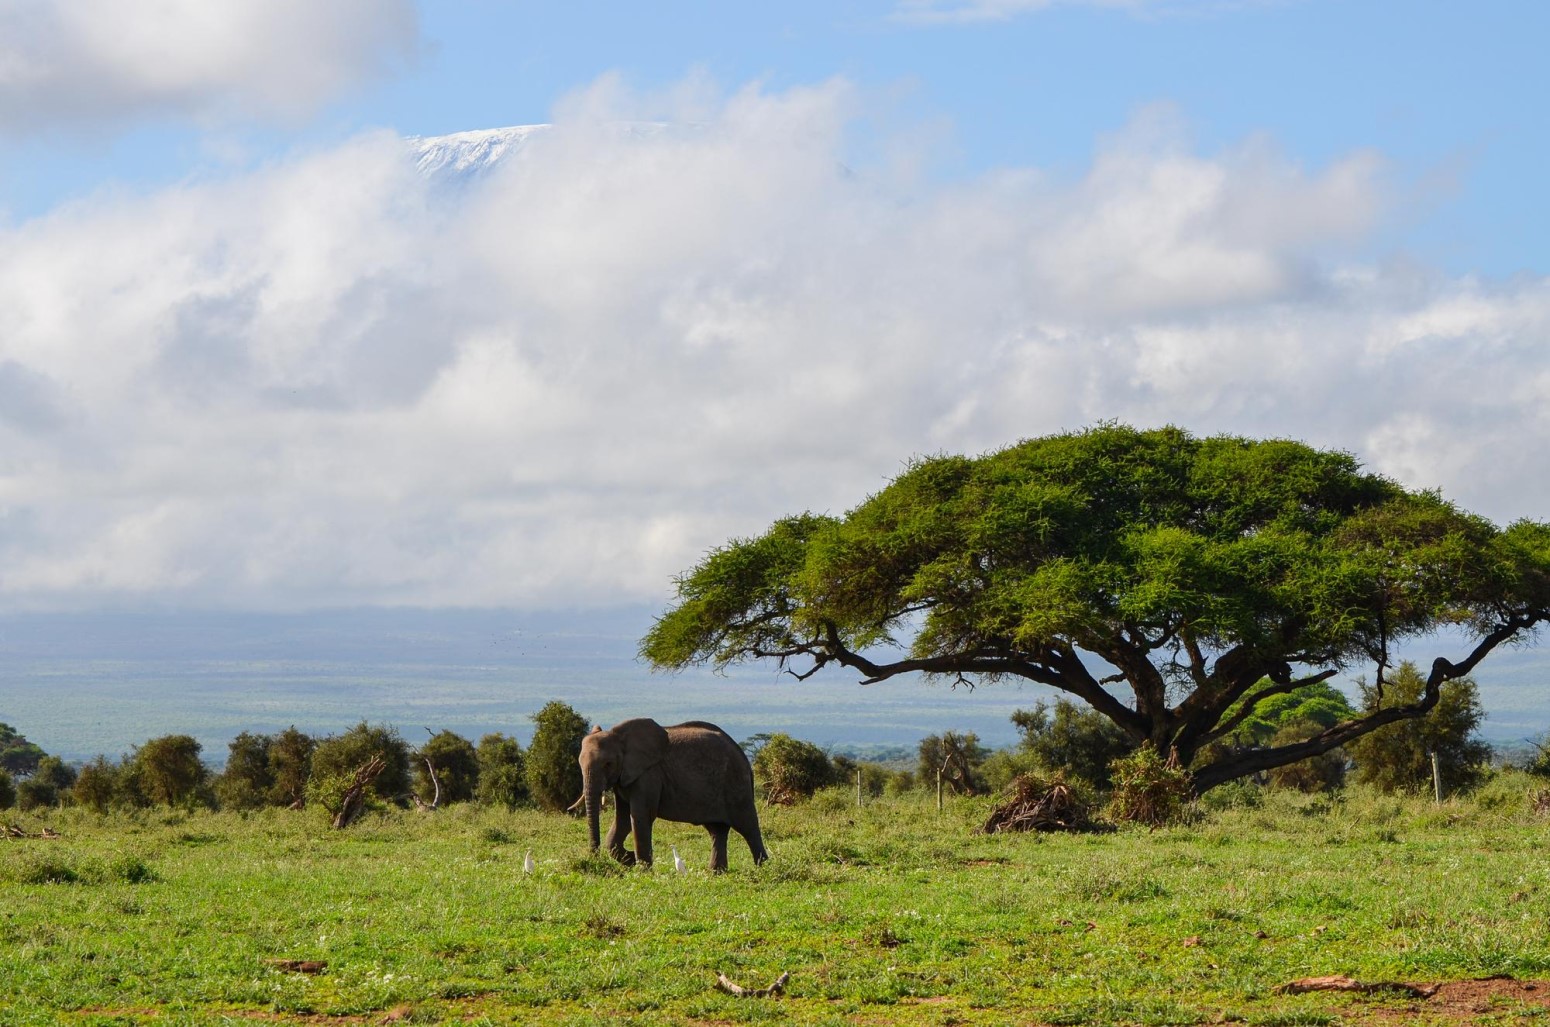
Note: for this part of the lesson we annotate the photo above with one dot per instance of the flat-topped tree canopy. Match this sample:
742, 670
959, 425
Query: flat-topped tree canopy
1210, 573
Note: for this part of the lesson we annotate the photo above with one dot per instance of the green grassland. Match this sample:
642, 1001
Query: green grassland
892, 913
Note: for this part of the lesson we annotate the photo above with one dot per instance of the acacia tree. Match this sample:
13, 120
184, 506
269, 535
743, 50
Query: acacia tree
1172, 583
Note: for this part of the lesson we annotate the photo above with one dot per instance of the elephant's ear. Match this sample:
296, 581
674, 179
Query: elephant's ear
645, 745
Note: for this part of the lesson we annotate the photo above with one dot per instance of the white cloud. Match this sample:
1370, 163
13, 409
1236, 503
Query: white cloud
332, 381
104, 62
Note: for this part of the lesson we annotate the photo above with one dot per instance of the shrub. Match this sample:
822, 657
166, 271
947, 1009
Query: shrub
98, 785
290, 763
248, 779
7, 791
18, 756
502, 780
1074, 741
957, 758
1322, 773
336, 758
51, 781
457, 768
553, 773
1397, 758
1149, 789
169, 770
792, 769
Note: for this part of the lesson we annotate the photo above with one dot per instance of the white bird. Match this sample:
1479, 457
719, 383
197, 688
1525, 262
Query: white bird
527, 862
679, 866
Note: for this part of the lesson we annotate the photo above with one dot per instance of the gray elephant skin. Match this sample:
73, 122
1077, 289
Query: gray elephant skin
693, 773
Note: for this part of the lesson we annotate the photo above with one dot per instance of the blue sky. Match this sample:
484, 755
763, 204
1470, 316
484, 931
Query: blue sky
251, 358
1448, 93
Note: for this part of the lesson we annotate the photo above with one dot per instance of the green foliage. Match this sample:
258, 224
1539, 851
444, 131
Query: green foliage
957, 757
336, 758
1319, 703
7, 791
553, 773
49, 784
1322, 773
791, 769
168, 770
290, 765
457, 768
502, 779
1397, 758
18, 757
99, 785
1077, 743
1149, 789
248, 779
1197, 565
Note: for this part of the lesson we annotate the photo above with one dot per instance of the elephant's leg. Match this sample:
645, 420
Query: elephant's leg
718, 846
748, 827
641, 820
619, 832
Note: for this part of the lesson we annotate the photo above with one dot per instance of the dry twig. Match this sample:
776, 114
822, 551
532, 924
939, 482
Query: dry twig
778, 988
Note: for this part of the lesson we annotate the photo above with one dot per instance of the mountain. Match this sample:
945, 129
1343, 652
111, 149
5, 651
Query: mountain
467, 154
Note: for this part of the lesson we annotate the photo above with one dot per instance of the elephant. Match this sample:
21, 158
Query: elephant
692, 773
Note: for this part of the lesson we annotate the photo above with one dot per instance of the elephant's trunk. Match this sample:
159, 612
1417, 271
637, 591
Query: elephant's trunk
592, 793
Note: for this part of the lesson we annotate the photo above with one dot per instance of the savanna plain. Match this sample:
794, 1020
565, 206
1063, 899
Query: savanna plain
888, 913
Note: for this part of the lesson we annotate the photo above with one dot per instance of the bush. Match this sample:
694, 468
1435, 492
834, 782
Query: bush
1004, 766
290, 764
1149, 789
248, 779
553, 773
457, 768
1397, 758
791, 769
1322, 773
18, 756
336, 758
502, 780
98, 785
50, 782
1074, 741
168, 769
957, 758
7, 791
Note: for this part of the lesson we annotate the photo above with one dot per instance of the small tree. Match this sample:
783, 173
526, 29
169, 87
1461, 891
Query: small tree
457, 768
49, 784
18, 756
169, 769
337, 757
290, 764
1399, 757
98, 785
553, 773
1076, 742
502, 780
957, 758
791, 769
248, 779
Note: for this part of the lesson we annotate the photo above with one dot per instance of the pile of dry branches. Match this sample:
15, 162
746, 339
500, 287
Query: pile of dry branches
1036, 806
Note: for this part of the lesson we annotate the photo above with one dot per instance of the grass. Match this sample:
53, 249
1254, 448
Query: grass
888, 914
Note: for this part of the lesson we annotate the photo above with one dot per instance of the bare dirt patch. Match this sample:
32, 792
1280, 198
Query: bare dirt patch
1502, 999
